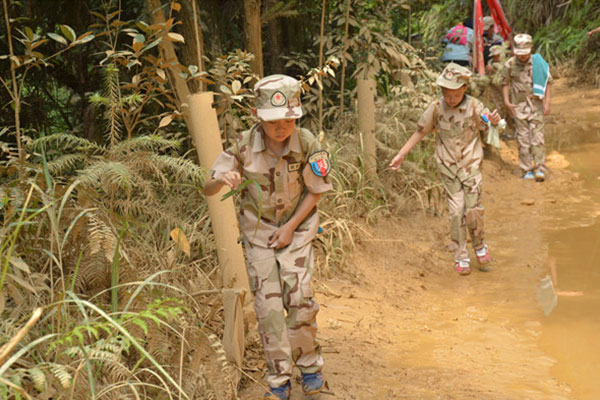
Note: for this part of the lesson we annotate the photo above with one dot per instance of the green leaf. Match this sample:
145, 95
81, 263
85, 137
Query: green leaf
68, 32
29, 33
86, 37
141, 323
240, 187
58, 38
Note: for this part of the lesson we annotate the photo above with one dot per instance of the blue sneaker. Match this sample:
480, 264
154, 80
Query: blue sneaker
279, 393
313, 383
540, 176
528, 175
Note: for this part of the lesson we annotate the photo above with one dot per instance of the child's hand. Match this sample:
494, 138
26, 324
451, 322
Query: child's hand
397, 161
494, 117
510, 107
546, 108
231, 179
282, 237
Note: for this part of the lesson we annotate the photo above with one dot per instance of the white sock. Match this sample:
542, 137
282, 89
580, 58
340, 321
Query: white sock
481, 252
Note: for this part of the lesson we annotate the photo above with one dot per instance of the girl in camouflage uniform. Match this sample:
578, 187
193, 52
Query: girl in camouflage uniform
279, 219
458, 153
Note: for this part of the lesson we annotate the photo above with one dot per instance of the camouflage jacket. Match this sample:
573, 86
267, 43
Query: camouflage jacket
281, 183
519, 76
458, 148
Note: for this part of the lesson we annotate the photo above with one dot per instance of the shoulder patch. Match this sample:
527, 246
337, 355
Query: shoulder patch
319, 163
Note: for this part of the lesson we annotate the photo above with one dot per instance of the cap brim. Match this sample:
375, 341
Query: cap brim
440, 81
522, 52
274, 114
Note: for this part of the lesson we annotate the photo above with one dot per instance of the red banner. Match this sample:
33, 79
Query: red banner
499, 18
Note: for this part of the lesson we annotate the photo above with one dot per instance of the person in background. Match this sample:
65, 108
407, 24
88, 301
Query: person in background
494, 70
458, 154
490, 38
526, 93
459, 43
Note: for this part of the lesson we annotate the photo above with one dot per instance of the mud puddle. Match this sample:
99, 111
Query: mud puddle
570, 332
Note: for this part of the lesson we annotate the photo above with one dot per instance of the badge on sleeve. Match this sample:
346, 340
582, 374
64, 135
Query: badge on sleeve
319, 163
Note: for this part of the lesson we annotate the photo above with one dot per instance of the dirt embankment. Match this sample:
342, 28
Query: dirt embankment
406, 326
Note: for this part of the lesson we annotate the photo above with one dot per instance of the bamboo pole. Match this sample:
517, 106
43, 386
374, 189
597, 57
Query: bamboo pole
366, 123
204, 128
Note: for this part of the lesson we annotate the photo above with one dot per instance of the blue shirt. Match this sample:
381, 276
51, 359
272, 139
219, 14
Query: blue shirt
458, 51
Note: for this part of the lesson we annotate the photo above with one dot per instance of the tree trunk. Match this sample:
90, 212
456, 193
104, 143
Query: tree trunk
168, 53
344, 51
273, 43
193, 49
321, 45
254, 34
366, 123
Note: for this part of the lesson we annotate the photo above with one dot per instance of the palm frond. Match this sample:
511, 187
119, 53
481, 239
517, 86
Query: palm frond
115, 127
145, 143
66, 163
66, 141
107, 173
184, 170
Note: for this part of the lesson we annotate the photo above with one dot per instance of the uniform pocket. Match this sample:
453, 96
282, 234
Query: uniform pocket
260, 266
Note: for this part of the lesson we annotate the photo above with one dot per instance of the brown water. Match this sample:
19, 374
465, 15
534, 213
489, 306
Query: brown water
571, 332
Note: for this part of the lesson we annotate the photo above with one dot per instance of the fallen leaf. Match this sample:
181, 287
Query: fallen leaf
179, 237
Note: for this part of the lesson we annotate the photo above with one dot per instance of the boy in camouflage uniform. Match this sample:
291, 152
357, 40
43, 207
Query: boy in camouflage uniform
527, 109
458, 153
495, 71
278, 220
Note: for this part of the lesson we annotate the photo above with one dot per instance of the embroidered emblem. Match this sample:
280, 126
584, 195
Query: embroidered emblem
278, 99
294, 166
319, 163
449, 75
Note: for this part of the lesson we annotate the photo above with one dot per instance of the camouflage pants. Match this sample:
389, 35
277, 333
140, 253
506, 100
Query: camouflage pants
529, 126
466, 212
281, 283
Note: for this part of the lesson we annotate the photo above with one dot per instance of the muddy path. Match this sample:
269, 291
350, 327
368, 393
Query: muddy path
404, 325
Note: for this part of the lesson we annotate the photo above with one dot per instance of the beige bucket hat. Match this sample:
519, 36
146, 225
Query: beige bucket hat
277, 97
522, 44
454, 76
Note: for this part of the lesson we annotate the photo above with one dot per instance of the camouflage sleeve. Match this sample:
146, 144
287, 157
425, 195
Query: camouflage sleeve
317, 167
480, 108
505, 79
225, 162
425, 123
